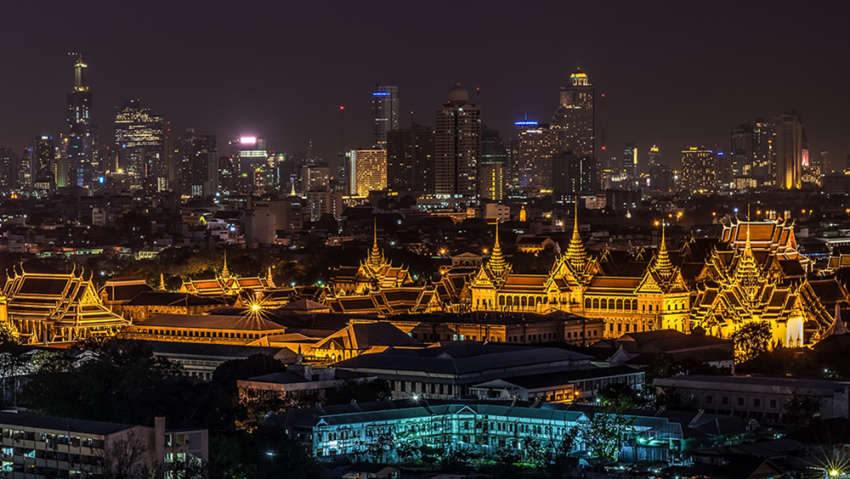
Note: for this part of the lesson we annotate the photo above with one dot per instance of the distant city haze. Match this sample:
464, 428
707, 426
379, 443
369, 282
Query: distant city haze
673, 74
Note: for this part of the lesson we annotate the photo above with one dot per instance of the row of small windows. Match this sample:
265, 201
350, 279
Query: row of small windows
199, 333
628, 305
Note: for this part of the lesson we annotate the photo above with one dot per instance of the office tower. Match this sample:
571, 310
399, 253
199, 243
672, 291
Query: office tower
629, 167
751, 152
315, 177
79, 162
247, 168
384, 113
140, 145
533, 147
7, 170
368, 171
660, 178
457, 146
43, 156
572, 175
575, 118
491, 172
698, 170
410, 159
196, 164
788, 150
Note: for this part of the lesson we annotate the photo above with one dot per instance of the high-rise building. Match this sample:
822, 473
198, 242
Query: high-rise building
532, 149
140, 145
572, 175
575, 118
368, 171
43, 155
751, 154
385, 104
315, 177
247, 169
788, 148
457, 146
79, 160
660, 178
410, 159
196, 163
629, 167
698, 170
7, 170
491, 172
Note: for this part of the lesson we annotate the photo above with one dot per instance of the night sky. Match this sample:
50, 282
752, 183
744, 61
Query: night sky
674, 73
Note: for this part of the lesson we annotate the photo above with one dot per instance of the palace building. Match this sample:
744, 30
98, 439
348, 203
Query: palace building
227, 284
57, 308
627, 300
375, 273
756, 273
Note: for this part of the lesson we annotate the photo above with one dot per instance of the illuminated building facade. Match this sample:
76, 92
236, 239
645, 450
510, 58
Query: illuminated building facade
457, 146
368, 171
491, 171
572, 175
227, 284
698, 172
752, 153
140, 145
575, 117
196, 164
79, 161
629, 167
375, 273
385, 105
483, 428
788, 148
589, 287
757, 274
410, 159
46, 309
534, 146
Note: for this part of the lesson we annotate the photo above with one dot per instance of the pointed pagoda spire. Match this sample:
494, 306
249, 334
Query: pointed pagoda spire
225, 273
161, 281
269, 275
292, 190
576, 254
497, 262
376, 256
662, 262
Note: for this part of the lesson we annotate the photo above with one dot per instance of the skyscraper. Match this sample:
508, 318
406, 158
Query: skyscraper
79, 162
788, 150
698, 171
629, 168
140, 145
195, 160
751, 151
491, 171
575, 117
43, 155
7, 170
571, 175
410, 159
533, 148
368, 171
457, 146
385, 104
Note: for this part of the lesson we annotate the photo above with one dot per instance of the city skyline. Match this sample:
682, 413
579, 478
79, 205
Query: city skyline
687, 92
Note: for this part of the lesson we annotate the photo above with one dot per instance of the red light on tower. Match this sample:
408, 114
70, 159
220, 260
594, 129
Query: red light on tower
342, 108
604, 148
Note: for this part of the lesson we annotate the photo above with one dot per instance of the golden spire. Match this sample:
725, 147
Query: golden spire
225, 273
497, 262
376, 256
269, 275
662, 262
161, 281
576, 254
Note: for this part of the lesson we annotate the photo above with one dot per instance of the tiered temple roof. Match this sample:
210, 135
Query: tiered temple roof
57, 308
373, 274
226, 284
